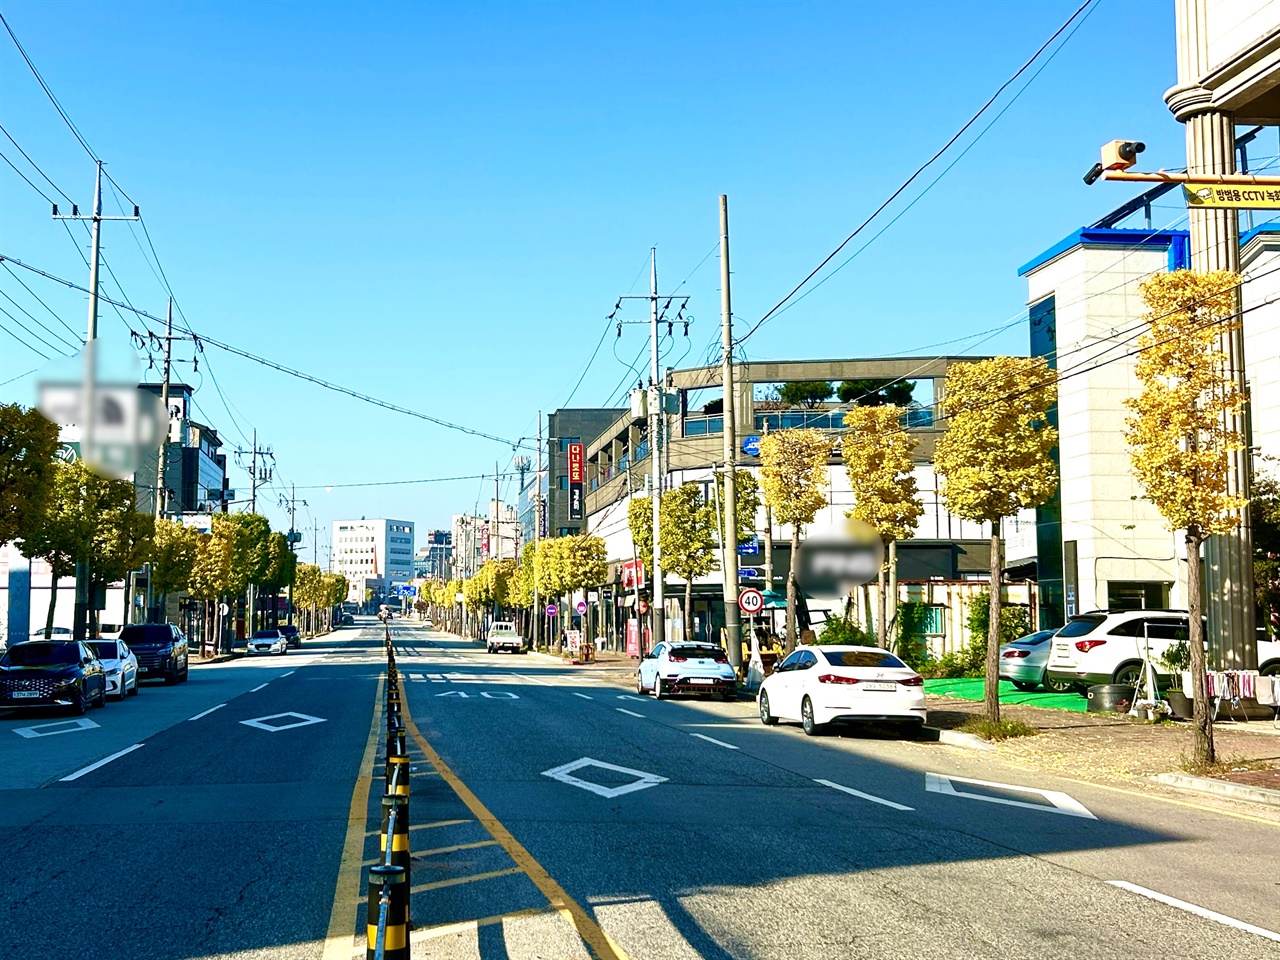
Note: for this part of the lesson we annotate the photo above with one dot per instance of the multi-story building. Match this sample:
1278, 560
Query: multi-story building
434, 559
566, 426
373, 554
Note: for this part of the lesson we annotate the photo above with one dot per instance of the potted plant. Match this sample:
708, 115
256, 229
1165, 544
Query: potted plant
1177, 658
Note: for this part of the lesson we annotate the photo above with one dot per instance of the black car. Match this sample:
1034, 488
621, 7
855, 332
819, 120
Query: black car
291, 635
161, 650
51, 673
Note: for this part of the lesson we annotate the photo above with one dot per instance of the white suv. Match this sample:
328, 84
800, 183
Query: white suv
1108, 647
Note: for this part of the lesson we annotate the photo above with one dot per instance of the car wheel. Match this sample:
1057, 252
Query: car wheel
78, 706
1057, 686
767, 718
133, 691
1270, 670
102, 696
811, 728
186, 672
639, 683
1024, 685
729, 696
658, 692
171, 677
1128, 675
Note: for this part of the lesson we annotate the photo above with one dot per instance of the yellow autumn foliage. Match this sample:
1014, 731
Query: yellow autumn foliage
793, 474
877, 459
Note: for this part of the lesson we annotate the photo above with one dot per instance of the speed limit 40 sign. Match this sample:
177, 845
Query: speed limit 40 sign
751, 601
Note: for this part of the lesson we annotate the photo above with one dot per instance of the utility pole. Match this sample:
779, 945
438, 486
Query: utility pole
1215, 245
729, 534
290, 503
537, 537
88, 448
162, 488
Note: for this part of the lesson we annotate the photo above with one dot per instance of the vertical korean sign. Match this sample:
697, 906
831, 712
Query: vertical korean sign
576, 473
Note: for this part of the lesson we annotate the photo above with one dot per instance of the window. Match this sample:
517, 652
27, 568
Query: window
861, 658
1080, 626
565, 441
790, 662
1169, 629
807, 660
1130, 628
563, 483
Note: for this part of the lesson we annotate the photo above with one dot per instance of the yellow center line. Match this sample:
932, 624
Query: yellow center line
340, 942
459, 881
592, 934
445, 929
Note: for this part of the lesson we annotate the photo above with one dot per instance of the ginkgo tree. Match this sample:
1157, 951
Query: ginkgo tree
996, 459
878, 460
1179, 441
793, 477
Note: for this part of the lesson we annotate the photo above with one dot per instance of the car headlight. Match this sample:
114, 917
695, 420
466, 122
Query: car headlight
113, 671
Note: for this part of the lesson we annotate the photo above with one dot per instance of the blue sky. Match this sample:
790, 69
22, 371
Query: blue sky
439, 203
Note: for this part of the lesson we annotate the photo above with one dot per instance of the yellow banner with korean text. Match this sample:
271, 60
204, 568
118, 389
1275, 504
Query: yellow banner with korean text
1233, 195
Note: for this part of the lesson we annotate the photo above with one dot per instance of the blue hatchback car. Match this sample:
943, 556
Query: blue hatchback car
1024, 660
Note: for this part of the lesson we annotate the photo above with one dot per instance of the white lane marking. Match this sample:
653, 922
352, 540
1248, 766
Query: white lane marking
55, 728
524, 676
101, 763
630, 713
303, 720
1198, 911
1061, 802
718, 743
259, 687
627, 696
500, 695
415, 676
289, 674
858, 793
583, 696
564, 774
206, 712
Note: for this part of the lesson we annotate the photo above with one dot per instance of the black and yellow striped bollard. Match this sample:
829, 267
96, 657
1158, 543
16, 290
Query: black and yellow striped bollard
400, 837
400, 779
395, 944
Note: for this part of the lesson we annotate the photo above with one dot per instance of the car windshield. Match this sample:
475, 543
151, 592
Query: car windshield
709, 653
288, 629
1079, 626
504, 628
861, 658
105, 649
267, 635
142, 634
41, 654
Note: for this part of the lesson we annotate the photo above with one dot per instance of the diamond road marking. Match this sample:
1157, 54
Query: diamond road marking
564, 774
302, 720
63, 726
1061, 802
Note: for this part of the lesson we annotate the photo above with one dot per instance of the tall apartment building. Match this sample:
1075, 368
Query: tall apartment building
373, 554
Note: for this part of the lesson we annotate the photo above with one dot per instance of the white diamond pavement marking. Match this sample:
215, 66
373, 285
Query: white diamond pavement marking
300, 720
1061, 802
63, 726
564, 774
858, 793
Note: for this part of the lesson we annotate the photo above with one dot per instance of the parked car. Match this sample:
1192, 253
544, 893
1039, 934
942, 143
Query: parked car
120, 665
672, 668
1023, 662
51, 673
161, 650
1108, 646
267, 641
839, 684
1269, 657
291, 635
347, 620
503, 635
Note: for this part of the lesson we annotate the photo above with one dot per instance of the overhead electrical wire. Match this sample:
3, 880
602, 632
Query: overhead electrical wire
919, 170
49, 93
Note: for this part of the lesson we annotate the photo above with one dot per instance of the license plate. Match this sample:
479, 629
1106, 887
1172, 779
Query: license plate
144, 669
884, 687
17, 694
701, 680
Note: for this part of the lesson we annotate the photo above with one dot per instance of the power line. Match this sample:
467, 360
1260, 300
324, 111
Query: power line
57, 189
52, 312
48, 199
919, 170
400, 483
31, 333
49, 93
62, 341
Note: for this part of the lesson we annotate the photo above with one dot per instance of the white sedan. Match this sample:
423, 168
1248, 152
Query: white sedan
819, 685
267, 641
120, 666
672, 668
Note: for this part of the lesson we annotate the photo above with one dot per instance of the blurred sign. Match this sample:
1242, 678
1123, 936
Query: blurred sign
633, 575
577, 471
749, 548
751, 446
748, 573
202, 522
574, 639
830, 567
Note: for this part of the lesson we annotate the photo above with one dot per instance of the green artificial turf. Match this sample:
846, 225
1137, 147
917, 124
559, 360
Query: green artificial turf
973, 688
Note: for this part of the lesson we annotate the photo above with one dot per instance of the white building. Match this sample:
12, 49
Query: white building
372, 554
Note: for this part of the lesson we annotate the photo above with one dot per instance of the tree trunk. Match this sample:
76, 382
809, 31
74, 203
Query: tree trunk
1202, 749
688, 608
53, 603
992, 695
882, 605
792, 625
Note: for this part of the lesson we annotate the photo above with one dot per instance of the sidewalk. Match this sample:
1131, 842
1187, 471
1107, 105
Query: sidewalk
1110, 748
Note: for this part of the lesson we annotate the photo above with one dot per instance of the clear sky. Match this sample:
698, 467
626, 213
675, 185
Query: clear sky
439, 203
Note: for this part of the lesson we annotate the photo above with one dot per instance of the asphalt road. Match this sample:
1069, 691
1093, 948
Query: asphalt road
556, 815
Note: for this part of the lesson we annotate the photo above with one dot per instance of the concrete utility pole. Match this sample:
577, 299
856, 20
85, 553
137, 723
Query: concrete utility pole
88, 447
162, 488
729, 533
291, 504
537, 536
1215, 245
655, 444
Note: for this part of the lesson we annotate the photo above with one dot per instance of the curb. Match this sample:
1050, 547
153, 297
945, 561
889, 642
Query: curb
1220, 788
954, 738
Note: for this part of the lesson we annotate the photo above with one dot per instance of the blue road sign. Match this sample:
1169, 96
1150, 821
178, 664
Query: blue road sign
748, 573
751, 446
749, 548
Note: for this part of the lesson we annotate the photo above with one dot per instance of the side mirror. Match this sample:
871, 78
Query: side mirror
648, 656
